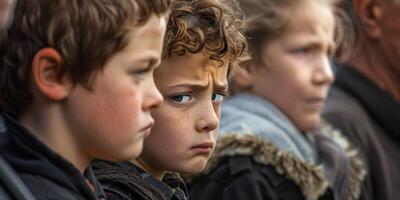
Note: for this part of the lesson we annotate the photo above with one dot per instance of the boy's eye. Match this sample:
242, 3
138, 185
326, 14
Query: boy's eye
218, 97
303, 51
141, 72
184, 98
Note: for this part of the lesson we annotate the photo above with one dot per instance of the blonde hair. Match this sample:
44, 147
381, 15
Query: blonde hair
267, 19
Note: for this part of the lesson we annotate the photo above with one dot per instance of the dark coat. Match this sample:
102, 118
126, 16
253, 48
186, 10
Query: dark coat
126, 181
240, 177
249, 168
46, 174
370, 117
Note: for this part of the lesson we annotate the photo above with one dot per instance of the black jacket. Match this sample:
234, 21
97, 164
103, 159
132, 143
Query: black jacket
275, 175
242, 178
46, 174
249, 168
126, 181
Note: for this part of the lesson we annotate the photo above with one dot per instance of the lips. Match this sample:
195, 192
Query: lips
147, 129
205, 147
316, 103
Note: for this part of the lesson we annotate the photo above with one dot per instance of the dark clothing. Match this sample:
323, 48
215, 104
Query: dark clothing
370, 117
255, 169
11, 185
125, 180
46, 174
240, 177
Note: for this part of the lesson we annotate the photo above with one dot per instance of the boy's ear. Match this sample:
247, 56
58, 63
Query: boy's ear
369, 13
243, 77
45, 66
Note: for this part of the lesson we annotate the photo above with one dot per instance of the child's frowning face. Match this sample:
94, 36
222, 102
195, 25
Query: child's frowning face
113, 118
185, 133
297, 72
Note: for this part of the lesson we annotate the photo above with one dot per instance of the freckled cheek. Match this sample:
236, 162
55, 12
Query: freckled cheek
172, 127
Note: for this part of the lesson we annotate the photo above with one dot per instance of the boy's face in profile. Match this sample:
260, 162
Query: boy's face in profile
112, 120
185, 133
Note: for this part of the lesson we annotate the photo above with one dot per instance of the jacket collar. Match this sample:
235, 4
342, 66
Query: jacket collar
309, 178
31, 156
382, 107
247, 113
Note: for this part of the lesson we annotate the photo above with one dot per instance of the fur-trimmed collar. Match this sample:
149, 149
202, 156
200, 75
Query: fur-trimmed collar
358, 168
310, 178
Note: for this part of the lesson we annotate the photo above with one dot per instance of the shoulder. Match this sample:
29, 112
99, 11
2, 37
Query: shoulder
348, 115
253, 166
340, 103
43, 188
240, 177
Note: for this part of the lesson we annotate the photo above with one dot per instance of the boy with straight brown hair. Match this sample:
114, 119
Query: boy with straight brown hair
76, 82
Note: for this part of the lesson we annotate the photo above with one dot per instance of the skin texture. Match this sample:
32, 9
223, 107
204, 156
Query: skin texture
111, 119
193, 87
295, 74
378, 44
6, 7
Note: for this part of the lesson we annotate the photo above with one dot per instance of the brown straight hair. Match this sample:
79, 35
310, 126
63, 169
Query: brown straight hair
86, 33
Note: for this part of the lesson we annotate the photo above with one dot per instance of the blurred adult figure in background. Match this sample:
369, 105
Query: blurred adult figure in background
364, 100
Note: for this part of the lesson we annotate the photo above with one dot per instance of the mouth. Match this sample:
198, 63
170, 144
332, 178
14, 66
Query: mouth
203, 148
147, 129
316, 102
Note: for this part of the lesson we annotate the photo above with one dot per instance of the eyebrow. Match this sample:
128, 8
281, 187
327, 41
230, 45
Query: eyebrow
150, 61
195, 86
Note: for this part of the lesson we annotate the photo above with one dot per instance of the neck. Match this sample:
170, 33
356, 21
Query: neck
156, 173
372, 63
46, 124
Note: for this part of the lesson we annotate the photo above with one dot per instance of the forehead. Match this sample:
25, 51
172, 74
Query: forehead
145, 41
147, 34
195, 68
311, 19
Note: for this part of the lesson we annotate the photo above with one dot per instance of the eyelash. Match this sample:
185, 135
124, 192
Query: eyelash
179, 98
222, 96
304, 50
141, 72
174, 98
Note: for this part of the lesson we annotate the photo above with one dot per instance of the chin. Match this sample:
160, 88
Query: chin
195, 167
309, 125
129, 153
138, 148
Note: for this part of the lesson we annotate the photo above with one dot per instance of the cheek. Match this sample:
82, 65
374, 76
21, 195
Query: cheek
169, 130
117, 109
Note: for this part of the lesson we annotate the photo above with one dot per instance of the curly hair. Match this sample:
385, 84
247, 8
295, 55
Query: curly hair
212, 25
85, 33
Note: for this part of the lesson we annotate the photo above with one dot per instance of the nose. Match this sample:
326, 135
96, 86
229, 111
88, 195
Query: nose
208, 120
153, 97
323, 74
